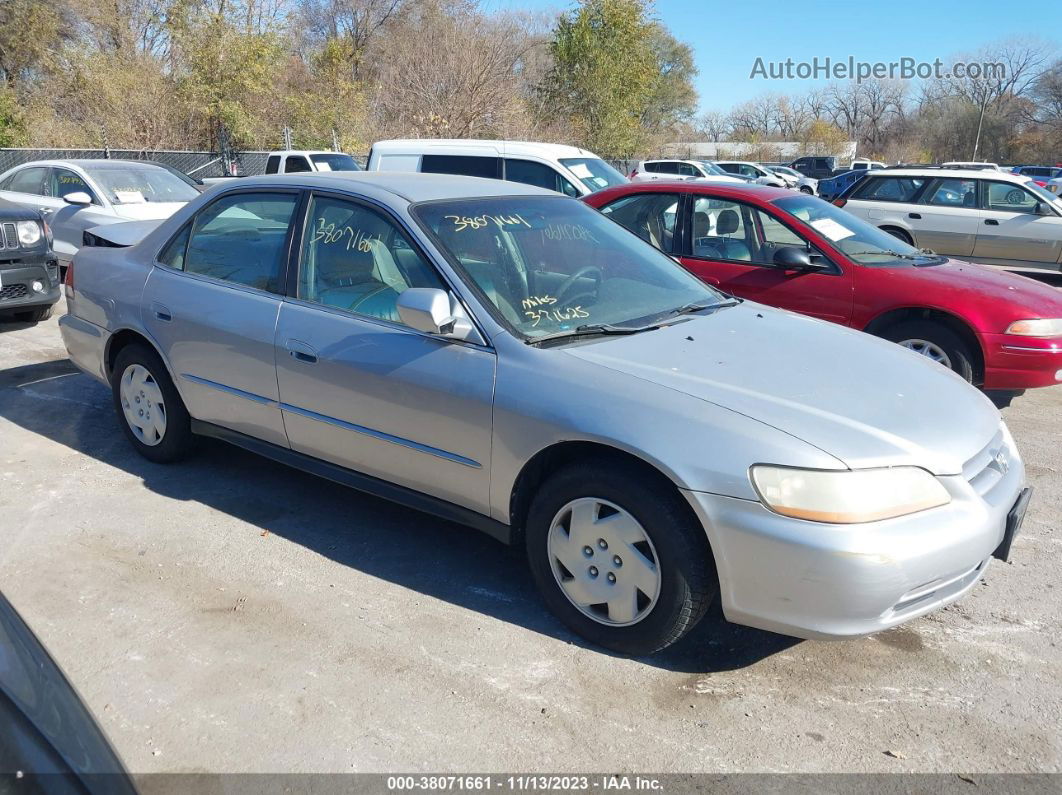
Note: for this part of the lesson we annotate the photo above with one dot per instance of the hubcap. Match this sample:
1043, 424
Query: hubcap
142, 404
604, 561
928, 349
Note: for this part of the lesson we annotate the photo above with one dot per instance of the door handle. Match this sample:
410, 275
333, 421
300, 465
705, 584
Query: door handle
301, 351
916, 216
161, 312
992, 222
46, 210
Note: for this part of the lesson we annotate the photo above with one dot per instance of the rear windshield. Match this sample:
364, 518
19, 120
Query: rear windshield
595, 174
137, 184
335, 162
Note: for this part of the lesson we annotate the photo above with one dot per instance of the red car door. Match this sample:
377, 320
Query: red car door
731, 245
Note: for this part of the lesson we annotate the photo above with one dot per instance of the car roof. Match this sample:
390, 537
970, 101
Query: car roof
426, 145
959, 173
413, 187
724, 190
285, 152
85, 163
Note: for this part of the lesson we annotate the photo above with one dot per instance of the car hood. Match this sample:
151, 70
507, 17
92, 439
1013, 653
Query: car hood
147, 210
969, 282
864, 401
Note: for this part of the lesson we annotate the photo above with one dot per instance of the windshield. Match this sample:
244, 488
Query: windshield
712, 168
595, 174
335, 162
859, 241
784, 170
550, 265
137, 184
1044, 195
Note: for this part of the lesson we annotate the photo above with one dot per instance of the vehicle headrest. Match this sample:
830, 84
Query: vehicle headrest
726, 223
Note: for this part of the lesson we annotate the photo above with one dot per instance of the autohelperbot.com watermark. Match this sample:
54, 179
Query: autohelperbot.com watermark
905, 68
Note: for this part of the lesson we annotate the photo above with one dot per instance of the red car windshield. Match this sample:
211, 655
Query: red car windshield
861, 242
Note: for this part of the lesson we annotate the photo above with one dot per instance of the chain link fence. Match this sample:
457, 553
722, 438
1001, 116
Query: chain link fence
195, 164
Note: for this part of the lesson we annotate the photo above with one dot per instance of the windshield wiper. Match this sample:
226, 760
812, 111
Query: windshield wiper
593, 330
883, 252
691, 308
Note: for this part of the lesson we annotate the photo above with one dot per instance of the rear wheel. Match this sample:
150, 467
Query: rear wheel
899, 233
936, 342
618, 557
149, 407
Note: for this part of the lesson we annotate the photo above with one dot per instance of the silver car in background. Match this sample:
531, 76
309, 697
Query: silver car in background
507, 357
77, 195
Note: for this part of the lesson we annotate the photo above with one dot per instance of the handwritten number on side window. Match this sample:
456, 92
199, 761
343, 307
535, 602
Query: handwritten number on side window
355, 239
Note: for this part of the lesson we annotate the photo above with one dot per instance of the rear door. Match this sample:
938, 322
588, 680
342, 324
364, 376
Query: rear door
947, 217
27, 188
887, 200
1010, 228
212, 301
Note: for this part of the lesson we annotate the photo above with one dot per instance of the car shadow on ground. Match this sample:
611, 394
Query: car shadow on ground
406, 547
9, 323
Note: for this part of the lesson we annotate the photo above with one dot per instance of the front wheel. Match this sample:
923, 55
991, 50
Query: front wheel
149, 408
807, 189
936, 342
619, 558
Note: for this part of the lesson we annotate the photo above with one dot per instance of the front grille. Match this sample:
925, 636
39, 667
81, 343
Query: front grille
13, 291
984, 470
10, 237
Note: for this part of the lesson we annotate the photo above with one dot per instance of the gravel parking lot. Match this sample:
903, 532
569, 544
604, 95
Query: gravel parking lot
230, 614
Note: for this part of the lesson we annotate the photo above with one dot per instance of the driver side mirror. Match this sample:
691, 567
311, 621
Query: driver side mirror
429, 309
794, 258
79, 198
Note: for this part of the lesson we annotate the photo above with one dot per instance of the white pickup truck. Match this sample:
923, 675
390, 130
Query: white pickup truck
291, 161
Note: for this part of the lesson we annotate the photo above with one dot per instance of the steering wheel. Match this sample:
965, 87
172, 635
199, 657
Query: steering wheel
570, 282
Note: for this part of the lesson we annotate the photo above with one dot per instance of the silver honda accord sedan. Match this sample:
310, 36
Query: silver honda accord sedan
506, 357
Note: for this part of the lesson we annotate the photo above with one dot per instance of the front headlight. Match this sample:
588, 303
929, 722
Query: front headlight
1040, 327
847, 496
29, 233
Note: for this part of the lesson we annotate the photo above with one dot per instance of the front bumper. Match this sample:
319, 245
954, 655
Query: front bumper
815, 580
17, 279
1014, 362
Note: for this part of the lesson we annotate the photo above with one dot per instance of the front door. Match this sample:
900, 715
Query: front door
212, 302
1011, 230
731, 245
360, 389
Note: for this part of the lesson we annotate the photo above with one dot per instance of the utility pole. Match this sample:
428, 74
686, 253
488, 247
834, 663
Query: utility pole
335, 140
287, 138
980, 122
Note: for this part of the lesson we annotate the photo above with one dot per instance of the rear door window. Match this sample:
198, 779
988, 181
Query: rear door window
240, 238
651, 216
889, 189
29, 180
273, 164
467, 165
952, 193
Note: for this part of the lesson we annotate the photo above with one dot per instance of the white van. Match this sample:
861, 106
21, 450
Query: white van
565, 169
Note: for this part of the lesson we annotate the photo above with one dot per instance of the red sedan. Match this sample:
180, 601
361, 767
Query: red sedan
794, 251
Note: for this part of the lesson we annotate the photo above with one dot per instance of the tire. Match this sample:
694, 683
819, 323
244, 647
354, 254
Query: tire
899, 234
175, 440
938, 339
35, 315
683, 576
807, 189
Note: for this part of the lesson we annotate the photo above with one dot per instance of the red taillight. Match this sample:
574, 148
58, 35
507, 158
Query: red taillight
68, 281
840, 202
